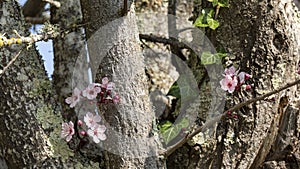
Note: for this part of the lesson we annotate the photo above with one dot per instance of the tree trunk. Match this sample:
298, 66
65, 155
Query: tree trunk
263, 39
30, 120
23, 142
115, 53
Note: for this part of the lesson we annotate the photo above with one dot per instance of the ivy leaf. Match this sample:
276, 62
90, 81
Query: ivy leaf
206, 19
213, 24
201, 21
221, 55
173, 131
163, 127
223, 3
207, 58
214, 2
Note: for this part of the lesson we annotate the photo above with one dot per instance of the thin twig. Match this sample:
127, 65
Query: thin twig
10, 62
37, 20
170, 150
159, 39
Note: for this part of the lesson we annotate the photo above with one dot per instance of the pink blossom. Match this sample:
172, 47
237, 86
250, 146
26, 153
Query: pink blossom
83, 133
229, 83
110, 86
231, 71
67, 131
243, 77
74, 99
97, 133
79, 123
246, 87
91, 120
91, 91
116, 99
104, 82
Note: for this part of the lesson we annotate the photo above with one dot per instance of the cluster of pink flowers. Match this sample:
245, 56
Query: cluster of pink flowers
96, 131
103, 90
232, 80
96, 93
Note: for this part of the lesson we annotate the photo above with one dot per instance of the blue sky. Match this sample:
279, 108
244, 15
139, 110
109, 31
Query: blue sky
45, 49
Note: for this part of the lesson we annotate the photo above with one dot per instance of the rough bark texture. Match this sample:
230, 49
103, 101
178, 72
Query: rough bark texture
23, 142
71, 70
67, 49
263, 39
30, 121
112, 42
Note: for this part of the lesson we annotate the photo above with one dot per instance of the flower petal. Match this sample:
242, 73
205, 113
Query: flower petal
102, 136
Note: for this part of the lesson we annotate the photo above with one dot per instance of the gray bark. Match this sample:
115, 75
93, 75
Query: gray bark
68, 49
263, 39
22, 140
113, 43
30, 120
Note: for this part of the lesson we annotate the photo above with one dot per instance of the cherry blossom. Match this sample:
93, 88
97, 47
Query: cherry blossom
97, 133
67, 131
74, 99
91, 120
229, 83
83, 133
104, 82
91, 91
110, 86
79, 123
243, 77
231, 71
116, 99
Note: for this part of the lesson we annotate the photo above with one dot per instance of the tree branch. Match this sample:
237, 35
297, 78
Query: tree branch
158, 39
170, 150
10, 62
33, 8
37, 20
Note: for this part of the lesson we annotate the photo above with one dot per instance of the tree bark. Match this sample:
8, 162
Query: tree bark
263, 39
113, 43
23, 142
30, 119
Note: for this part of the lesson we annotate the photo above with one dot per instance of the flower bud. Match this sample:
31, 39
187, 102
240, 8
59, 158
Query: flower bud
83, 133
247, 76
246, 87
228, 113
79, 122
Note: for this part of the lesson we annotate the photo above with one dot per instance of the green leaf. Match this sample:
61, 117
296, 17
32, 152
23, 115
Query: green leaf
213, 24
173, 131
201, 21
207, 58
223, 3
162, 128
188, 88
175, 91
206, 19
221, 55
214, 2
